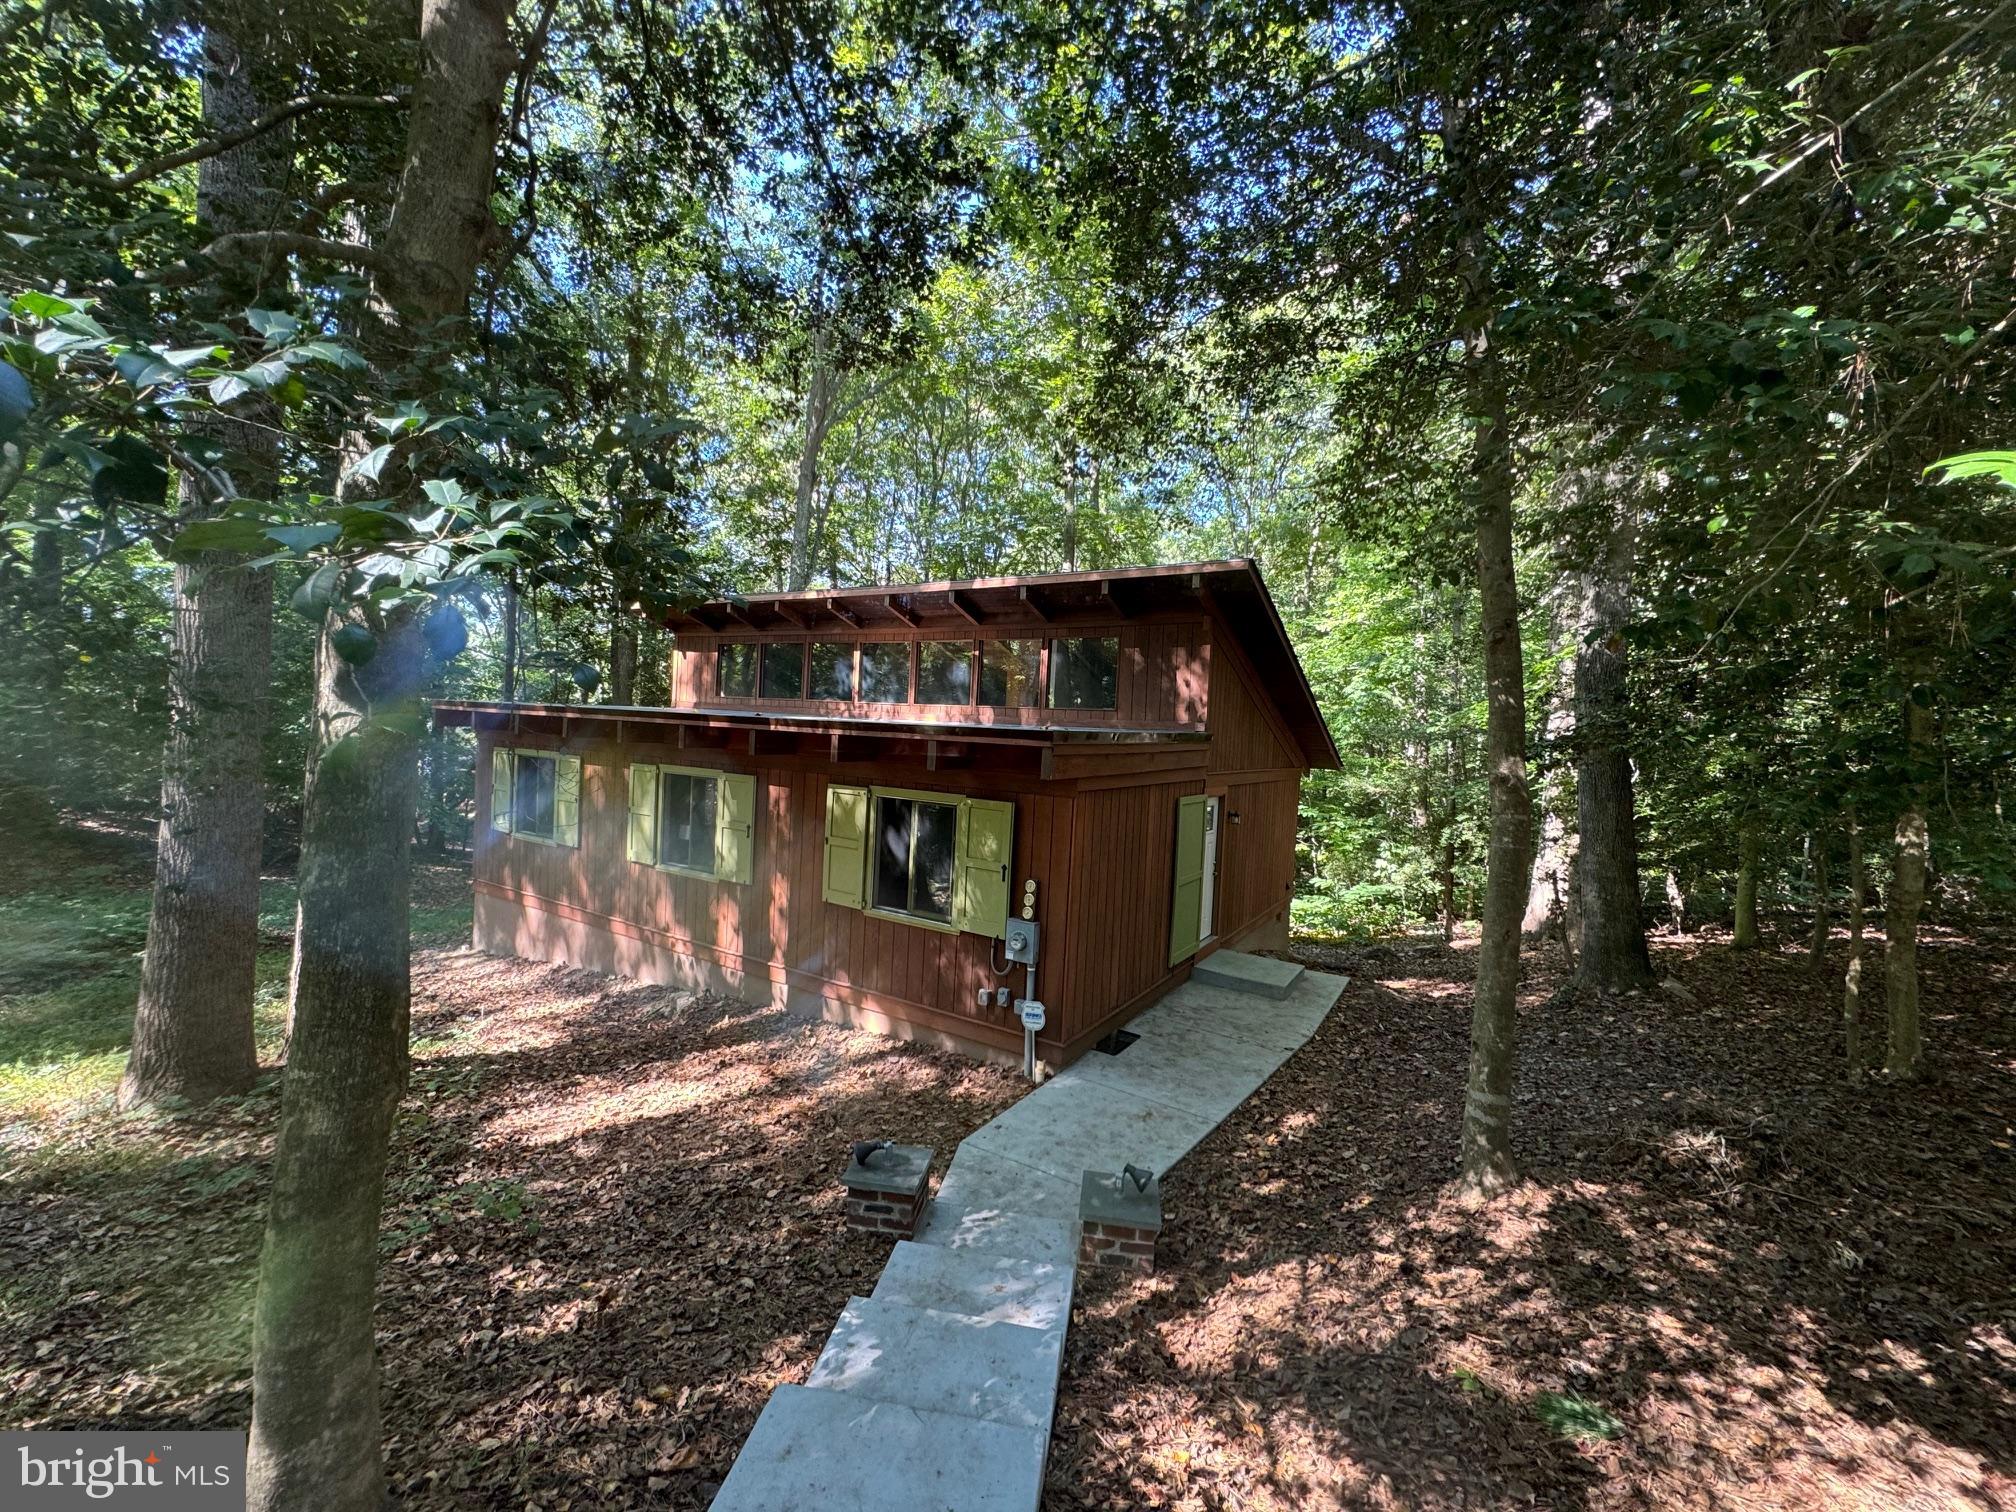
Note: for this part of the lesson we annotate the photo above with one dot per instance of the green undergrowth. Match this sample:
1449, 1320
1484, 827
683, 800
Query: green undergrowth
70, 945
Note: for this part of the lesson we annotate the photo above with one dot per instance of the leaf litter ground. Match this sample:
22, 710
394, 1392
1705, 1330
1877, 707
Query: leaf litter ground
612, 1227
1729, 1281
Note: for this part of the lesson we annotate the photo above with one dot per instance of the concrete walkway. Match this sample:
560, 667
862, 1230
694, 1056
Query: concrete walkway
935, 1394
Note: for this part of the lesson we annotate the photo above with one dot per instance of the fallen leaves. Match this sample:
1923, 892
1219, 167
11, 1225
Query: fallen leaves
614, 1230
1730, 1282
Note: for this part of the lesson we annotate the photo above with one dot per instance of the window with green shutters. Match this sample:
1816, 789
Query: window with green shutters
536, 795
937, 860
693, 820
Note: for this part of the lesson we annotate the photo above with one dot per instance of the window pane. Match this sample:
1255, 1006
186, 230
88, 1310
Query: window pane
892, 852
1082, 673
532, 796
885, 672
686, 821
737, 674
832, 670
1008, 671
783, 671
914, 853
937, 827
945, 672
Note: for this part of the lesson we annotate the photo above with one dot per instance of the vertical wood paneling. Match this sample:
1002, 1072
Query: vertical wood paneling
1244, 734
1120, 870
1257, 854
779, 919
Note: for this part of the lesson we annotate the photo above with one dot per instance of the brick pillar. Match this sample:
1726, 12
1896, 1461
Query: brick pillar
1118, 1223
886, 1196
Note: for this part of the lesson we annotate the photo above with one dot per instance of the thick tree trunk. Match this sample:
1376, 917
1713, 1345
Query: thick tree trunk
1614, 956
192, 1027
623, 659
1851, 990
1745, 936
1488, 1164
315, 1420
1907, 897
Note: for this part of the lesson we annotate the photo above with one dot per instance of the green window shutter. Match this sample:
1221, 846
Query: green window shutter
644, 813
735, 828
1186, 906
500, 791
567, 800
844, 878
986, 847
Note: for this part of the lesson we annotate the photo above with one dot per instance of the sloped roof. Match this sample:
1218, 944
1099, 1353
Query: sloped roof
1233, 588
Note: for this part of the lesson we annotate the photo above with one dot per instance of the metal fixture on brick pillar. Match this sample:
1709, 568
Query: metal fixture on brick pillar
885, 1187
1119, 1218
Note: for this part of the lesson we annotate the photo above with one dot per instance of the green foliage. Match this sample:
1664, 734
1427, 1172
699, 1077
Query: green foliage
1575, 1417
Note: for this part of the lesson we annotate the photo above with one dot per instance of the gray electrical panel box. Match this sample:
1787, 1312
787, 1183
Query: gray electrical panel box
1021, 941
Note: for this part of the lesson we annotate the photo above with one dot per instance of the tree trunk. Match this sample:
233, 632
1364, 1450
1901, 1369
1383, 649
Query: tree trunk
822, 390
1745, 936
1447, 878
1907, 898
1816, 945
1488, 1165
1614, 955
508, 677
315, 1421
623, 659
48, 666
1551, 856
192, 1027
1851, 991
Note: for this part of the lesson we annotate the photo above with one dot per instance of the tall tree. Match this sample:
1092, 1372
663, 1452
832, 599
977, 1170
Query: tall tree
315, 1416
1614, 957
192, 1029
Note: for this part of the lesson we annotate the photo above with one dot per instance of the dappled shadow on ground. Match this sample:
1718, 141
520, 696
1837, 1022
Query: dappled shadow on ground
612, 1228
1729, 1282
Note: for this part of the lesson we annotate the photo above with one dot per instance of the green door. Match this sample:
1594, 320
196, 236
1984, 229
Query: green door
1186, 904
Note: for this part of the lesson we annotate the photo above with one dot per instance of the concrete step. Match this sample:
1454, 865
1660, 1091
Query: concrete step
980, 1181
1263, 976
995, 1231
990, 1288
944, 1362
835, 1451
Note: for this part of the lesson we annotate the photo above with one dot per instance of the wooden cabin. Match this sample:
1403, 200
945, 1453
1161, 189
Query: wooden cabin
854, 792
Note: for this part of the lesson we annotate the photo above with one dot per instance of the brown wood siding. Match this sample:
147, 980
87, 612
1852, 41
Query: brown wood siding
1256, 852
778, 925
1122, 871
1162, 677
1246, 733
687, 668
